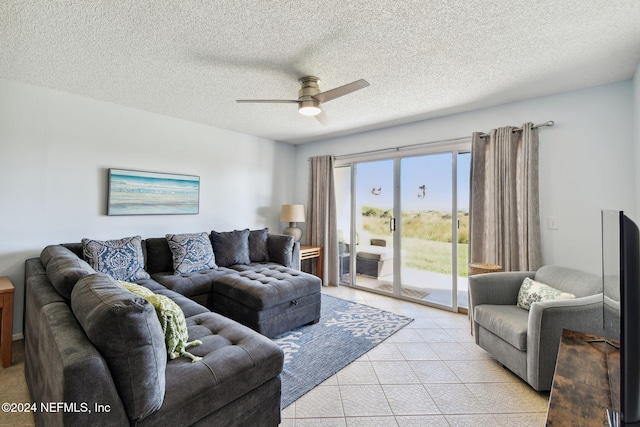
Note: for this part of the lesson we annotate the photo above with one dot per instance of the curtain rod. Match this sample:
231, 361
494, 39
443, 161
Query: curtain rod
405, 147
402, 147
549, 123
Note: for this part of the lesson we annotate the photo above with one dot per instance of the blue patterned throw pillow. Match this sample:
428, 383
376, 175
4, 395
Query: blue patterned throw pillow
121, 259
191, 252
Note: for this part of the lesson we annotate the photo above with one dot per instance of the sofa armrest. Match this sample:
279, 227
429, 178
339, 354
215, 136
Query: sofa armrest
546, 322
496, 288
60, 361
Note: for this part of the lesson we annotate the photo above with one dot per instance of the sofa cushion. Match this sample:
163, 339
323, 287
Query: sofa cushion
172, 320
121, 259
231, 247
261, 286
190, 284
125, 329
258, 245
236, 360
280, 248
159, 256
76, 248
191, 252
509, 322
64, 268
532, 291
188, 306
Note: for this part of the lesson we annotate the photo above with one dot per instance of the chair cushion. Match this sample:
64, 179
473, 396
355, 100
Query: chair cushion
191, 252
376, 253
509, 322
532, 291
121, 259
231, 247
126, 331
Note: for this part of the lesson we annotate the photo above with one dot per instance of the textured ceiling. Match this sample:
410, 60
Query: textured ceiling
427, 58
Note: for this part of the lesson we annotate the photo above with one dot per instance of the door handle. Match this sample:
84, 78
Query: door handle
392, 224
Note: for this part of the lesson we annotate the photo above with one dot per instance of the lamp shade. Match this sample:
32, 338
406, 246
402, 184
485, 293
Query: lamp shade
292, 213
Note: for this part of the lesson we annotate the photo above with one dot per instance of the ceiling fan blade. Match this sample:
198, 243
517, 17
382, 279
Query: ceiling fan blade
341, 90
322, 118
268, 101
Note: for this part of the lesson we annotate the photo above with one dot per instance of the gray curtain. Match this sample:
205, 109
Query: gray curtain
321, 215
504, 223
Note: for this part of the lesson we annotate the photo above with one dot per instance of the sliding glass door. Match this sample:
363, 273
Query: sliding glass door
403, 226
374, 216
426, 228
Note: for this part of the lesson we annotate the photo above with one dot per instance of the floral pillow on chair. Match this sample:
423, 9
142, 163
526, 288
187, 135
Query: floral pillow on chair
532, 291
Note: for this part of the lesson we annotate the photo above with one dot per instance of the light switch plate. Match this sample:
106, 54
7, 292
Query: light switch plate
553, 223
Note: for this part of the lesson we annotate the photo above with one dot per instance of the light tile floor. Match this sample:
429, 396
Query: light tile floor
430, 373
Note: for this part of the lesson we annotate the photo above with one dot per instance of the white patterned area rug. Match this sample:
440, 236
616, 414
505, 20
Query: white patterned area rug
346, 331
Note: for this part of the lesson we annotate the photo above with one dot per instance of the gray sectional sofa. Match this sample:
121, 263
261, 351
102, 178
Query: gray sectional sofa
99, 349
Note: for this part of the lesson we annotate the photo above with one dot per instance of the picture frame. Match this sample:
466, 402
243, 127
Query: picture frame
134, 192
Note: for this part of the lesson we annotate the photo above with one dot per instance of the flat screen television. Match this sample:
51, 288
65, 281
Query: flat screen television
621, 282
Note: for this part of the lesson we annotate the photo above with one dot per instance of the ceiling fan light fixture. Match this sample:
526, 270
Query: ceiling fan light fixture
309, 108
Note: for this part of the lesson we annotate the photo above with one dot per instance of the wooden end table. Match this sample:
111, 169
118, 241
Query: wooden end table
310, 252
6, 321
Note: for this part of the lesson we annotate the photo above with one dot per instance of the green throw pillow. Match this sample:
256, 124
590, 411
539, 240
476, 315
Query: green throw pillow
172, 320
532, 291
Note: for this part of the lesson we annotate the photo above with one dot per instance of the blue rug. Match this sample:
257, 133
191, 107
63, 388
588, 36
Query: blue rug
346, 331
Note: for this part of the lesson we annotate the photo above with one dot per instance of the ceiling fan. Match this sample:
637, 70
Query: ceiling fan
310, 98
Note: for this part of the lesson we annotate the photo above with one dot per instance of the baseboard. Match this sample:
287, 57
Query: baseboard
16, 337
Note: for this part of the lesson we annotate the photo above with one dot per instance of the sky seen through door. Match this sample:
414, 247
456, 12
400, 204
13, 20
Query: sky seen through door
433, 172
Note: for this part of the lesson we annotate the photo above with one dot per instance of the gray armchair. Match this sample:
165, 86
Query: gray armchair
526, 342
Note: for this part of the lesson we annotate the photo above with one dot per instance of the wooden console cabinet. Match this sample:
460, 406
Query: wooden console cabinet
581, 389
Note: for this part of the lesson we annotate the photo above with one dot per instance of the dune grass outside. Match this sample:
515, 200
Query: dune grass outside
426, 238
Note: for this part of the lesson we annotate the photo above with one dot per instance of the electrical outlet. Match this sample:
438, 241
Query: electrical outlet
553, 223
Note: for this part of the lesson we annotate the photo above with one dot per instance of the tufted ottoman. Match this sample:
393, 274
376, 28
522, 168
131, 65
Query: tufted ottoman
268, 299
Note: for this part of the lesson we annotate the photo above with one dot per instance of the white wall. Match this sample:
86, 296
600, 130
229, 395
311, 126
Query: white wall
55, 150
587, 160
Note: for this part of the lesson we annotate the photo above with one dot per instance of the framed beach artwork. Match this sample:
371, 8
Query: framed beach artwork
151, 193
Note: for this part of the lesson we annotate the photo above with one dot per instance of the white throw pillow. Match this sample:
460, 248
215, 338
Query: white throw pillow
532, 291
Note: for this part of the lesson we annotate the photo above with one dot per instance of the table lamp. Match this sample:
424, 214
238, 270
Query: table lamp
292, 214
